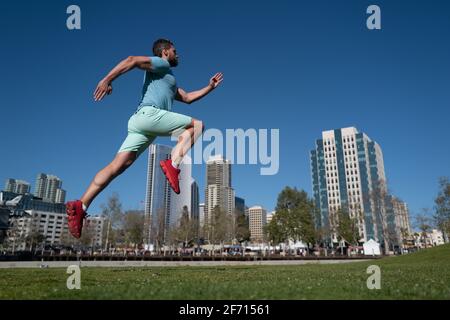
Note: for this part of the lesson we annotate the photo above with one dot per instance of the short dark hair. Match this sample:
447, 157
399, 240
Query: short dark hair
161, 44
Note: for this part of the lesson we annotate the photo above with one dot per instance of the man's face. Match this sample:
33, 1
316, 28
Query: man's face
172, 56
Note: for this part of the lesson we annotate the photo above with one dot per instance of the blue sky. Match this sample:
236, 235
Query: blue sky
300, 66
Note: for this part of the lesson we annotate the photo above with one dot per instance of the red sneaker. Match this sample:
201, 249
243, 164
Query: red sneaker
171, 174
75, 217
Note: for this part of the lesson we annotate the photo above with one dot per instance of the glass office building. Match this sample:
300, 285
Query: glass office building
347, 172
163, 207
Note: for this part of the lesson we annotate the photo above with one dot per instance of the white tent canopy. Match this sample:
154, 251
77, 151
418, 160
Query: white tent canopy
371, 248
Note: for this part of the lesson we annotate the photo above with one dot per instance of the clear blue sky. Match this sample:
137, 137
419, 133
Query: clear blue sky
300, 66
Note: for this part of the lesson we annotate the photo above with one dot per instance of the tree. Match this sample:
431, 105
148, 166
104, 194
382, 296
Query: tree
15, 235
133, 227
87, 236
158, 228
378, 198
67, 240
294, 217
33, 239
347, 228
241, 230
276, 231
186, 230
307, 232
424, 224
219, 226
112, 211
442, 207
84, 242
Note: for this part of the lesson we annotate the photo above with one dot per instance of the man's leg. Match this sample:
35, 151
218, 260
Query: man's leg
76, 210
102, 179
133, 146
186, 140
190, 133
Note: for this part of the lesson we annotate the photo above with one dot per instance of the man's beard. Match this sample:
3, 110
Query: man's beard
173, 62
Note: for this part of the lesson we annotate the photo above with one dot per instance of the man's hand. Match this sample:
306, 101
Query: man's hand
103, 88
216, 80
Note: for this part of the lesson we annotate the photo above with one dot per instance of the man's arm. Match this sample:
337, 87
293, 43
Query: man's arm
104, 86
189, 97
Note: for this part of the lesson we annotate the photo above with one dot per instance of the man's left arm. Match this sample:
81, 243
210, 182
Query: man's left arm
189, 97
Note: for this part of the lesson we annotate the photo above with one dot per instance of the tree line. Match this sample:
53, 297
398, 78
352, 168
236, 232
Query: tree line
295, 219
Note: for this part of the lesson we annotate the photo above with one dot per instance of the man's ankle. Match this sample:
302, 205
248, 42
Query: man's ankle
174, 164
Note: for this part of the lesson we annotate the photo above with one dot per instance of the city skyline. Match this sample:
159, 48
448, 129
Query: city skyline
154, 147
391, 84
47, 187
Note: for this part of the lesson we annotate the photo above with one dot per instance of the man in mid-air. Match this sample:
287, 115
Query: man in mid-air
152, 118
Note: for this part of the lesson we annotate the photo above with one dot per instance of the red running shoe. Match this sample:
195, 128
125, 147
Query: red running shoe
75, 217
171, 174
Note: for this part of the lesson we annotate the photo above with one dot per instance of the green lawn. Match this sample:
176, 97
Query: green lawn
423, 275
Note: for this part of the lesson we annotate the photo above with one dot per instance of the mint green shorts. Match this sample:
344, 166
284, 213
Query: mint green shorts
150, 122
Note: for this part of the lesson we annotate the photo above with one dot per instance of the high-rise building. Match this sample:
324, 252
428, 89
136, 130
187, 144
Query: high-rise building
400, 226
348, 173
239, 204
163, 207
60, 196
402, 215
53, 184
157, 195
40, 186
239, 219
257, 221
17, 186
22, 187
195, 199
47, 187
179, 201
218, 191
201, 215
10, 185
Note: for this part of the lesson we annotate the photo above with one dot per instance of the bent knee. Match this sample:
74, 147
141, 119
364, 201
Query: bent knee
198, 124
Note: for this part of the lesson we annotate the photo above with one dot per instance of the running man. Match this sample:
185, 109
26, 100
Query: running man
152, 118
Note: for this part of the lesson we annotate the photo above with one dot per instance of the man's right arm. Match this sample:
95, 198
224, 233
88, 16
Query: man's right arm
104, 86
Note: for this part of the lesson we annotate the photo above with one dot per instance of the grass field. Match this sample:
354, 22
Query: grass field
422, 275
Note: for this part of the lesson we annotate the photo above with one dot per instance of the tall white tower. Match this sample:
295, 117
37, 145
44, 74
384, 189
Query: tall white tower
218, 191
